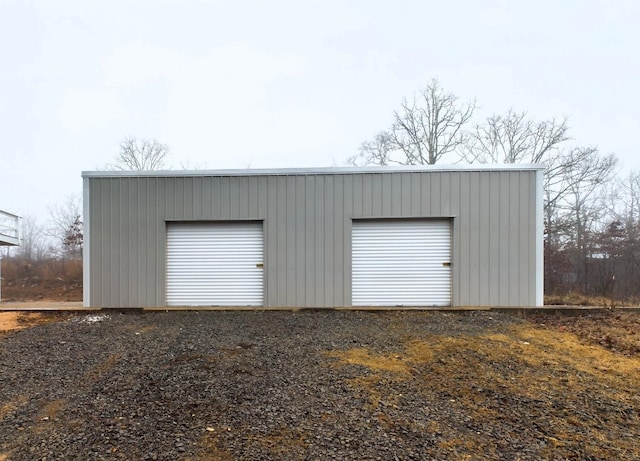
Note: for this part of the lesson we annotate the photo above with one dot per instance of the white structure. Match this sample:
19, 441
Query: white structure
9, 235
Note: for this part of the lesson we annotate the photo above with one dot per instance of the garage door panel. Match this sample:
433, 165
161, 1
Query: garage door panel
401, 263
215, 264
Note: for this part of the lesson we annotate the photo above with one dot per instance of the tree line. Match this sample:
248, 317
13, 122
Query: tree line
591, 214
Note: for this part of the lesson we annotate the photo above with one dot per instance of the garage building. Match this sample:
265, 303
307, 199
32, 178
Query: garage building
334, 237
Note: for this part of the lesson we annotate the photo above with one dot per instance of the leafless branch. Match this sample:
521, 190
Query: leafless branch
375, 152
66, 226
146, 154
425, 128
431, 125
513, 138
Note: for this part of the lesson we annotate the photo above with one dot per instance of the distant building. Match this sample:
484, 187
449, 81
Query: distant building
9, 235
333, 237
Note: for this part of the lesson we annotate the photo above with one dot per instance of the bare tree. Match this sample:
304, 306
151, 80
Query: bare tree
375, 152
574, 175
140, 155
621, 239
573, 192
188, 165
425, 129
33, 242
624, 200
66, 226
575, 209
431, 125
514, 138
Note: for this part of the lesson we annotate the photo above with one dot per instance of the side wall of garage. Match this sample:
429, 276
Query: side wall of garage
307, 218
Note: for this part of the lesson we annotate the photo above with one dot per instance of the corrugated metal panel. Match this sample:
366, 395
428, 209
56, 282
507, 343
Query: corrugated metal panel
214, 264
307, 230
401, 263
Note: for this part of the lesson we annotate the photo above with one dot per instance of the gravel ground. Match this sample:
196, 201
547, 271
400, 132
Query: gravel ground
307, 385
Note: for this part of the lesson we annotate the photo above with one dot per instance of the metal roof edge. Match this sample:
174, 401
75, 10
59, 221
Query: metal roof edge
314, 171
11, 215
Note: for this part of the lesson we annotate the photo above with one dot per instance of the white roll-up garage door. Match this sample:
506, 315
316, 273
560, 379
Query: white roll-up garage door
215, 264
401, 263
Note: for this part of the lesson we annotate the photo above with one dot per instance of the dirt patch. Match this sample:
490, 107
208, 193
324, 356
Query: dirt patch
19, 320
9, 321
209, 447
10, 406
43, 305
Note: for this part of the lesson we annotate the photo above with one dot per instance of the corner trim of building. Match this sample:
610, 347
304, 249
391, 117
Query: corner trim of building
539, 237
86, 245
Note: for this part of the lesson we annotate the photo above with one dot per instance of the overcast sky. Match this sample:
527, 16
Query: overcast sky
258, 84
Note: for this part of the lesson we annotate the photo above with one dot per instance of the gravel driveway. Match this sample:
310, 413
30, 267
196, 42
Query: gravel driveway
305, 385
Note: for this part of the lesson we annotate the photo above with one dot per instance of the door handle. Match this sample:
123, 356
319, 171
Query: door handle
259, 265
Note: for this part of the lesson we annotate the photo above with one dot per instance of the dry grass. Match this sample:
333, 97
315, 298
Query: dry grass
585, 394
11, 405
46, 279
210, 449
577, 299
375, 362
615, 330
283, 441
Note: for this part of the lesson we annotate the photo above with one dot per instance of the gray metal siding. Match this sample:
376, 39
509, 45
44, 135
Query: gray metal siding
307, 222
